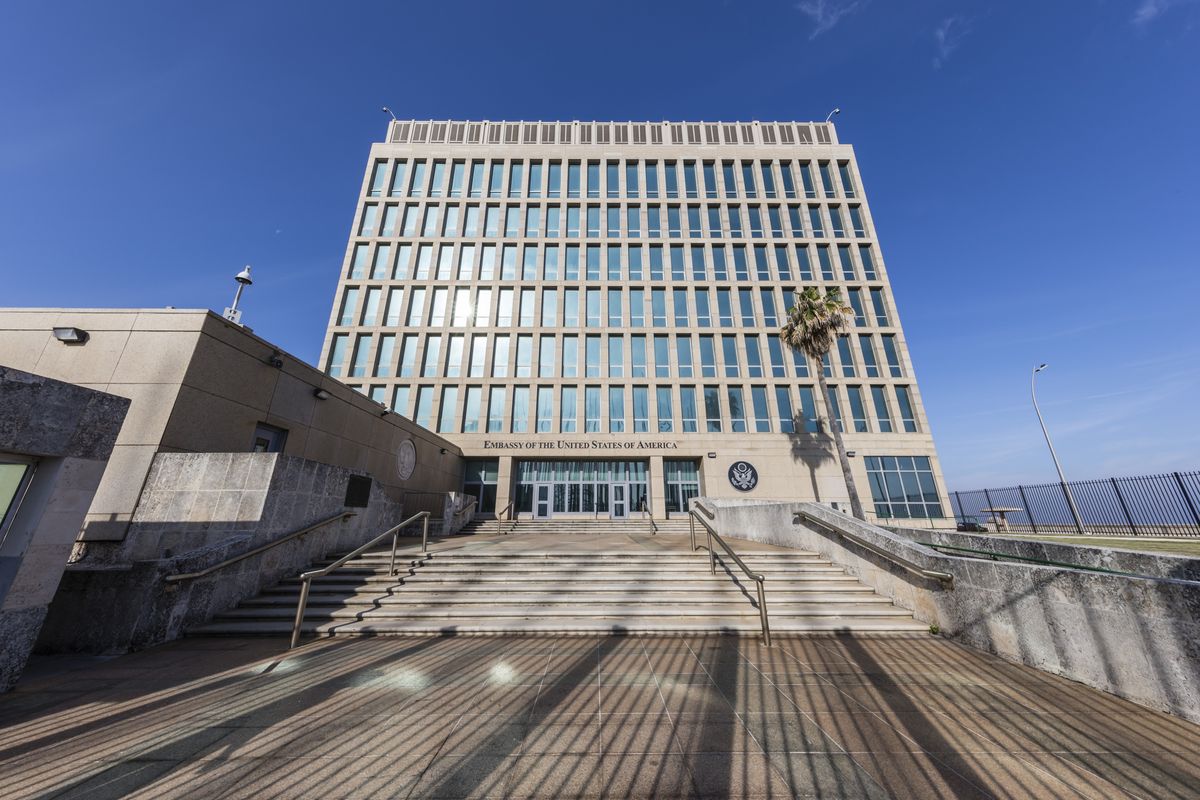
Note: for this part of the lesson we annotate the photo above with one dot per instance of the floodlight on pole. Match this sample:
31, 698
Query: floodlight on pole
389, 112
243, 280
832, 114
1062, 479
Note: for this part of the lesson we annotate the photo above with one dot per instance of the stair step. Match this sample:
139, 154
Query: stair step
846, 585
488, 627
695, 582
609, 610
565, 597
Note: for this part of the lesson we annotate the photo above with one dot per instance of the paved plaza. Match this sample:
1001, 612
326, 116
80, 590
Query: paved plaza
453, 717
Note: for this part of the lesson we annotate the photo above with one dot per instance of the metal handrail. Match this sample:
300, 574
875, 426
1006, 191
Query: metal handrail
306, 578
500, 515
650, 516
458, 514
995, 556
945, 577
757, 577
185, 576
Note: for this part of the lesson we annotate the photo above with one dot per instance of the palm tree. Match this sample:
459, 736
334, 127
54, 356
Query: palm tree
812, 324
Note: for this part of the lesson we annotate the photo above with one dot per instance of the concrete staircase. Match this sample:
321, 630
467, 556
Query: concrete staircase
574, 525
468, 590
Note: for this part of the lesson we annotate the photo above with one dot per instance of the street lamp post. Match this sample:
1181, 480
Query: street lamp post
233, 313
1062, 479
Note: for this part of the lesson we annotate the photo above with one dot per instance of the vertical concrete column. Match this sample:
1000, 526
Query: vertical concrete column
505, 485
656, 487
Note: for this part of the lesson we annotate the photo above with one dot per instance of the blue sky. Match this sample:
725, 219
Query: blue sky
1032, 169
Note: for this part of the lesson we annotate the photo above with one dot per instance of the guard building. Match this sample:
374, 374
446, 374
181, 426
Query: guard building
591, 310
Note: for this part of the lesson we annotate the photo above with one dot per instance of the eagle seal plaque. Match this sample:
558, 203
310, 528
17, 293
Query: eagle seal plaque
406, 459
743, 476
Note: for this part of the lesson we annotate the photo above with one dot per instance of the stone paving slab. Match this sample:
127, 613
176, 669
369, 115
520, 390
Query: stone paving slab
583, 717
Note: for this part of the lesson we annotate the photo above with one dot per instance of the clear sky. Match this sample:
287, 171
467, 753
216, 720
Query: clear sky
1032, 169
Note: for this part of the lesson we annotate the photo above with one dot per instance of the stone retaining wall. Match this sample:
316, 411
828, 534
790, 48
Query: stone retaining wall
1136, 637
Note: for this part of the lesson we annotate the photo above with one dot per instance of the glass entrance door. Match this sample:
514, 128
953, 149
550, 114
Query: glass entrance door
620, 502
541, 501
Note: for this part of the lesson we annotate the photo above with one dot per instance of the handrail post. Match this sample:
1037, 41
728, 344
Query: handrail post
712, 556
395, 541
300, 612
762, 612
425, 533
692, 528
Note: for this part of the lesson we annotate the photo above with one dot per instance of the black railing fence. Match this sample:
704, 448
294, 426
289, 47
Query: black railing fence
1145, 505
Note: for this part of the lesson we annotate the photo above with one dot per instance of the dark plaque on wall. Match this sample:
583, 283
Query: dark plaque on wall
358, 491
743, 476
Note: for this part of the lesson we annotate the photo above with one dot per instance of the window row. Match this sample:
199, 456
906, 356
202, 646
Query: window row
472, 262
642, 409
614, 221
613, 356
903, 487
590, 307
610, 178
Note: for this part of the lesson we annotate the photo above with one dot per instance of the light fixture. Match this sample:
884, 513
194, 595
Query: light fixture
443, 451
832, 114
71, 335
276, 360
320, 394
851, 453
243, 280
389, 111
712, 455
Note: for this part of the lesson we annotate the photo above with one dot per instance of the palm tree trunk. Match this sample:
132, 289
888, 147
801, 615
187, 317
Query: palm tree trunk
855, 504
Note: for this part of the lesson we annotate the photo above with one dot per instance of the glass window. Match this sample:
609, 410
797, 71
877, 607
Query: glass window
495, 185
571, 308
694, 229
858, 410
737, 410
512, 221
735, 221
573, 179
358, 265
879, 397
904, 403
815, 223
673, 224
454, 356
681, 308
633, 222
415, 308
504, 309
528, 308
714, 222
612, 176
845, 356
568, 410
500, 357
478, 354
549, 308
616, 356
826, 179
730, 181
746, 307
703, 309
741, 270
395, 307
437, 182
653, 221
712, 409
520, 409
729, 352
553, 222
775, 353
408, 356
689, 178
835, 219
665, 414
631, 179
472, 408
641, 409
762, 415
658, 307
687, 408
496, 403
533, 221
847, 181
637, 356
554, 179
656, 262
825, 262
877, 302
708, 357
903, 487
397, 187
724, 308
369, 218
856, 222
662, 357
698, 268
748, 179
835, 408
433, 352
524, 355
808, 410
892, 355
720, 270
868, 262
754, 367
483, 307
635, 262
417, 187
637, 308
593, 308
516, 173
710, 179
683, 356
424, 406
447, 409
756, 225
592, 356
337, 355
593, 179
870, 367
591, 409
545, 409
476, 187
487, 262
570, 356
652, 179
768, 180
806, 272
349, 304
491, 221
767, 297
783, 402
672, 178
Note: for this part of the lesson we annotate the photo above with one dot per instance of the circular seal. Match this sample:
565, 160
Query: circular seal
743, 476
406, 459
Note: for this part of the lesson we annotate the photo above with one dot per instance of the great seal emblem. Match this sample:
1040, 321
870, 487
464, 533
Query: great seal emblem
743, 476
406, 459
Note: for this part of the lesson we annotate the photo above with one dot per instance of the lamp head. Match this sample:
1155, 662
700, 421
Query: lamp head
1041, 367
243, 277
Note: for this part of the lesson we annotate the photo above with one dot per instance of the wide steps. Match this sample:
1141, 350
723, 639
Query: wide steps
835, 584
558, 598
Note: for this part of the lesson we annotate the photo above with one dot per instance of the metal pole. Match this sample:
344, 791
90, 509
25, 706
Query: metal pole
762, 612
1062, 479
692, 528
1187, 498
425, 533
712, 557
1125, 508
395, 541
1025, 502
300, 613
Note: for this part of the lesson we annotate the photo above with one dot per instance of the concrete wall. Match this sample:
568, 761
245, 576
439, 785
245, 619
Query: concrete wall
1136, 637
198, 383
66, 433
199, 509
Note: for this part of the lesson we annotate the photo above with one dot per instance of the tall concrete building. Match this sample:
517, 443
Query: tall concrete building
591, 311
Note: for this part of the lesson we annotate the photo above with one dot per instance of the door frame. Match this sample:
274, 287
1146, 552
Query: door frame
624, 501
549, 501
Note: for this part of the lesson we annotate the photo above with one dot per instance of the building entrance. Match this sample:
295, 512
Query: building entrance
596, 489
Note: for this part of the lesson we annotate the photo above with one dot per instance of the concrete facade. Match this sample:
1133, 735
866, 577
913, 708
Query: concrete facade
62, 435
200, 384
1136, 636
483, 253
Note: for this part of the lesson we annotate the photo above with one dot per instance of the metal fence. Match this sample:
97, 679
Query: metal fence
1145, 505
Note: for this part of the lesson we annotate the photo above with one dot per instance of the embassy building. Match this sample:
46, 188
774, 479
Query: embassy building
591, 310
